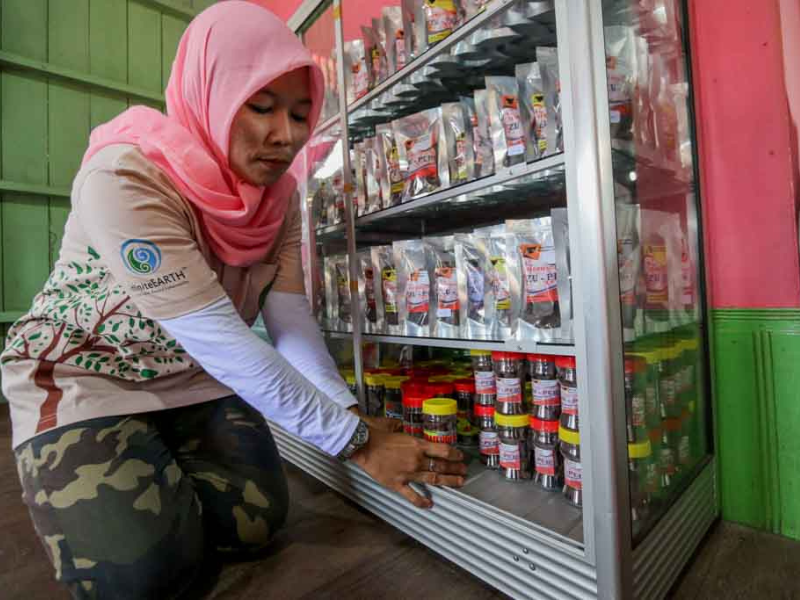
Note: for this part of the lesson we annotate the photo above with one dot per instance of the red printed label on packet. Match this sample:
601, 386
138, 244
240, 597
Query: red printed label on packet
546, 392
510, 457
446, 291
489, 443
421, 157
541, 283
485, 383
512, 125
437, 438
545, 461
418, 289
569, 400
573, 474
509, 390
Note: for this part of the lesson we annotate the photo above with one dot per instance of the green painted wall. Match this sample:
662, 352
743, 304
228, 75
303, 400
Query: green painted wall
757, 411
65, 67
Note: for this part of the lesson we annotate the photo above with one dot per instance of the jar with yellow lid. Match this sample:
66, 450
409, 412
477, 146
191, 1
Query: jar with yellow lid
570, 445
440, 420
374, 392
350, 379
393, 396
643, 476
512, 437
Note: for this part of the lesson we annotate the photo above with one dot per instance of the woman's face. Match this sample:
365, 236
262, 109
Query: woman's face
270, 128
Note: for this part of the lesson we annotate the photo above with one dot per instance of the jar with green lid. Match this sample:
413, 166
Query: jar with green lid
570, 446
643, 476
487, 436
374, 391
393, 396
440, 420
485, 387
512, 437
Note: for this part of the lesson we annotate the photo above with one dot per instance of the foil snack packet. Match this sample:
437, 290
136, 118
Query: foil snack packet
392, 177
533, 110
386, 292
563, 271
356, 69
366, 293
460, 159
475, 298
508, 136
482, 135
414, 286
551, 80
395, 38
445, 314
420, 143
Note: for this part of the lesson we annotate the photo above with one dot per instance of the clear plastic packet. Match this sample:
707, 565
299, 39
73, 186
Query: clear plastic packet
539, 316
373, 174
460, 158
475, 298
548, 66
629, 262
420, 146
441, 18
471, 118
392, 178
482, 135
356, 69
563, 271
508, 137
386, 293
499, 269
414, 286
411, 10
394, 31
621, 72
445, 313
375, 43
338, 311
360, 177
366, 293
533, 109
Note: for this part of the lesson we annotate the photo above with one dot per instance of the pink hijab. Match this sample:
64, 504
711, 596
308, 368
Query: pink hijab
228, 52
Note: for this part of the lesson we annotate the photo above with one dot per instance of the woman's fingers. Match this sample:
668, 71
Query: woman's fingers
443, 451
446, 467
431, 478
416, 499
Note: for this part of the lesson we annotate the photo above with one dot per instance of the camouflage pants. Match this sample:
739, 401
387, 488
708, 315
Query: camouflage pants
128, 507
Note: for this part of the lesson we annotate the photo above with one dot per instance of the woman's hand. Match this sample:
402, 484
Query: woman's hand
395, 459
379, 423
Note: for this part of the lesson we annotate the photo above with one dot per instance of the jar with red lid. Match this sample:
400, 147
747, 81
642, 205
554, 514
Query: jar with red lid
545, 398
413, 396
441, 389
508, 372
570, 446
488, 441
465, 397
546, 459
568, 383
485, 388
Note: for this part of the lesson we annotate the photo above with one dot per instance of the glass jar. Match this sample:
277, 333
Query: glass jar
652, 406
635, 389
667, 381
465, 397
487, 436
545, 400
393, 396
643, 475
668, 453
413, 396
570, 445
485, 388
512, 437
439, 420
375, 391
508, 371
547, 467
568, 383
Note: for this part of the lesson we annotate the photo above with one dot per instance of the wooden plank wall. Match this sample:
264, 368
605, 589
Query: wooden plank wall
67, 66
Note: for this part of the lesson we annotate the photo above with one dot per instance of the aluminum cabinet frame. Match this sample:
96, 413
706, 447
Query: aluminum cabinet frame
513, 555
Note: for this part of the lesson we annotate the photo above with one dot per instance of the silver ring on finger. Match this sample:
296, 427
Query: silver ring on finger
431, 465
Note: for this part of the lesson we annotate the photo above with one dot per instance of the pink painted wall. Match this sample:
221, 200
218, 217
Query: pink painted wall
790, 24
746, 154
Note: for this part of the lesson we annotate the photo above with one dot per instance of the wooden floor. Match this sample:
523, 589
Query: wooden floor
332, 549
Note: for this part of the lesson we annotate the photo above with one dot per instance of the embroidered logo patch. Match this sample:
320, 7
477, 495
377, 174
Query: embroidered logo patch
141, 257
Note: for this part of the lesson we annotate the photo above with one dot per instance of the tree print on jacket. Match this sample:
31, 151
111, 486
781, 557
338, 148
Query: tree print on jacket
82, 318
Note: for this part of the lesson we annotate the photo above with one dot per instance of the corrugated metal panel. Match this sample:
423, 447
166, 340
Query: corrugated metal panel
501, 551
660, 558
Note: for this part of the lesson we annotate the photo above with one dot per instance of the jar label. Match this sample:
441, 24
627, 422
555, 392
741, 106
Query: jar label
485, 383
393, 410
638, 414
418, 292
509, 389
488, 443
546, 392
412, 429
545, 460
510, 456
439, 437
569, 400
573, 474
